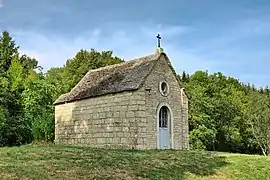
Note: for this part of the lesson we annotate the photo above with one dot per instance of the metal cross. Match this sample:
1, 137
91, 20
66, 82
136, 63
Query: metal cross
159, 38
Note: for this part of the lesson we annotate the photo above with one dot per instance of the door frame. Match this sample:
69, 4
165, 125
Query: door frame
170, 128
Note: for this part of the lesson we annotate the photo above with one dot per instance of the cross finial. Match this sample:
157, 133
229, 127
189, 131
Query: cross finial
159, 38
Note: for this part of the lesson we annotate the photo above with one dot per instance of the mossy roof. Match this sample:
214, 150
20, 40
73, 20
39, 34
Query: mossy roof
125, 76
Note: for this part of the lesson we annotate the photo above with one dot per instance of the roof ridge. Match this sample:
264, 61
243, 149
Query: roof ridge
139, 59
128, 75
122, 63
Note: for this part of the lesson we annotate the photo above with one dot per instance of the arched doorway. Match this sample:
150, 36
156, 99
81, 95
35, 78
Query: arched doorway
164, 128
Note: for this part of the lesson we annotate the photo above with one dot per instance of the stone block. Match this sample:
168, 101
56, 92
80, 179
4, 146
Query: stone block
140, 102
102, 115
140, 113
109, 114
107, 109
133, 107
130, 114
124, 140
126, 129
116, 114
116, 140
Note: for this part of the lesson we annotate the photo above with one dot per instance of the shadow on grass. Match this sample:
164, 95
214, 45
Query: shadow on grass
177, 164
154, 164
91, 163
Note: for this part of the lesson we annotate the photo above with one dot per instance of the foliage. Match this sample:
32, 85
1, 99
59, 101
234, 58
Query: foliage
27, 94
13, 129
83, 61
224, 114
8, 50
37, 101
259, 113
219, 111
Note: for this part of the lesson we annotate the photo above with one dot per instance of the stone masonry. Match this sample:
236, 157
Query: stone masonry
109, 120
126, 119
162, 72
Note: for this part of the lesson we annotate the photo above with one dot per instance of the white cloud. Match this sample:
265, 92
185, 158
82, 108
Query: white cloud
52, 51
1, 3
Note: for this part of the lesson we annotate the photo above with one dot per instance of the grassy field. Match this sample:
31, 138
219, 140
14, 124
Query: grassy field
69, 162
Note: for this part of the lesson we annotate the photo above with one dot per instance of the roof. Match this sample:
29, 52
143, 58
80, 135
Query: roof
125, 76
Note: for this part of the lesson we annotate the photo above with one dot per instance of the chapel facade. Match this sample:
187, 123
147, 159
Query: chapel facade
135, 104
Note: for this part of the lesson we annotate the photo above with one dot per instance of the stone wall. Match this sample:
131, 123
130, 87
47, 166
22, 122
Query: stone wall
174, 99
185, 129
127, 119
113, 120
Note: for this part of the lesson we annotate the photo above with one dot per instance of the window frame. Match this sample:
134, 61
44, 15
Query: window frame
166, 93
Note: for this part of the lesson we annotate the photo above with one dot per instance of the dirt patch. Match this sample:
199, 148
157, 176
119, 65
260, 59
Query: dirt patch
9, 176
220, 176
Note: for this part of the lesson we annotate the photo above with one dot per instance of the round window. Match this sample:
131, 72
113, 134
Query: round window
164, 89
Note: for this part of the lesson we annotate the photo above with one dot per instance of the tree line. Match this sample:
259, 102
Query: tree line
224, 114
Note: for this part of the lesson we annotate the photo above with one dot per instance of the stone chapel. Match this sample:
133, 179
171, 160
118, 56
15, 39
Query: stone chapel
136, 104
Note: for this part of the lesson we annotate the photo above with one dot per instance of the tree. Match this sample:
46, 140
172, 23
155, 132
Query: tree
217, 108
38, 110
259, 113
84, 61
184, 77
29, 63
55, 77
14, 129
266, 90
8, 50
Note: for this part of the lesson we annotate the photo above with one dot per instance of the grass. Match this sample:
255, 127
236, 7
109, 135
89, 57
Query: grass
69, 162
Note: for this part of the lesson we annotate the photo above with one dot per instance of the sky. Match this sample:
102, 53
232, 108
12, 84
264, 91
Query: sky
228, 36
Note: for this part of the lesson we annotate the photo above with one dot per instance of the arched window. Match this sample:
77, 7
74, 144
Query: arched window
164, 127
163, 117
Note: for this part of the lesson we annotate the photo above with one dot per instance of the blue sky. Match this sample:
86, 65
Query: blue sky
230, 36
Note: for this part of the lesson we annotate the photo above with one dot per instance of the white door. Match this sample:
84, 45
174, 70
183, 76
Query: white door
164, 128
